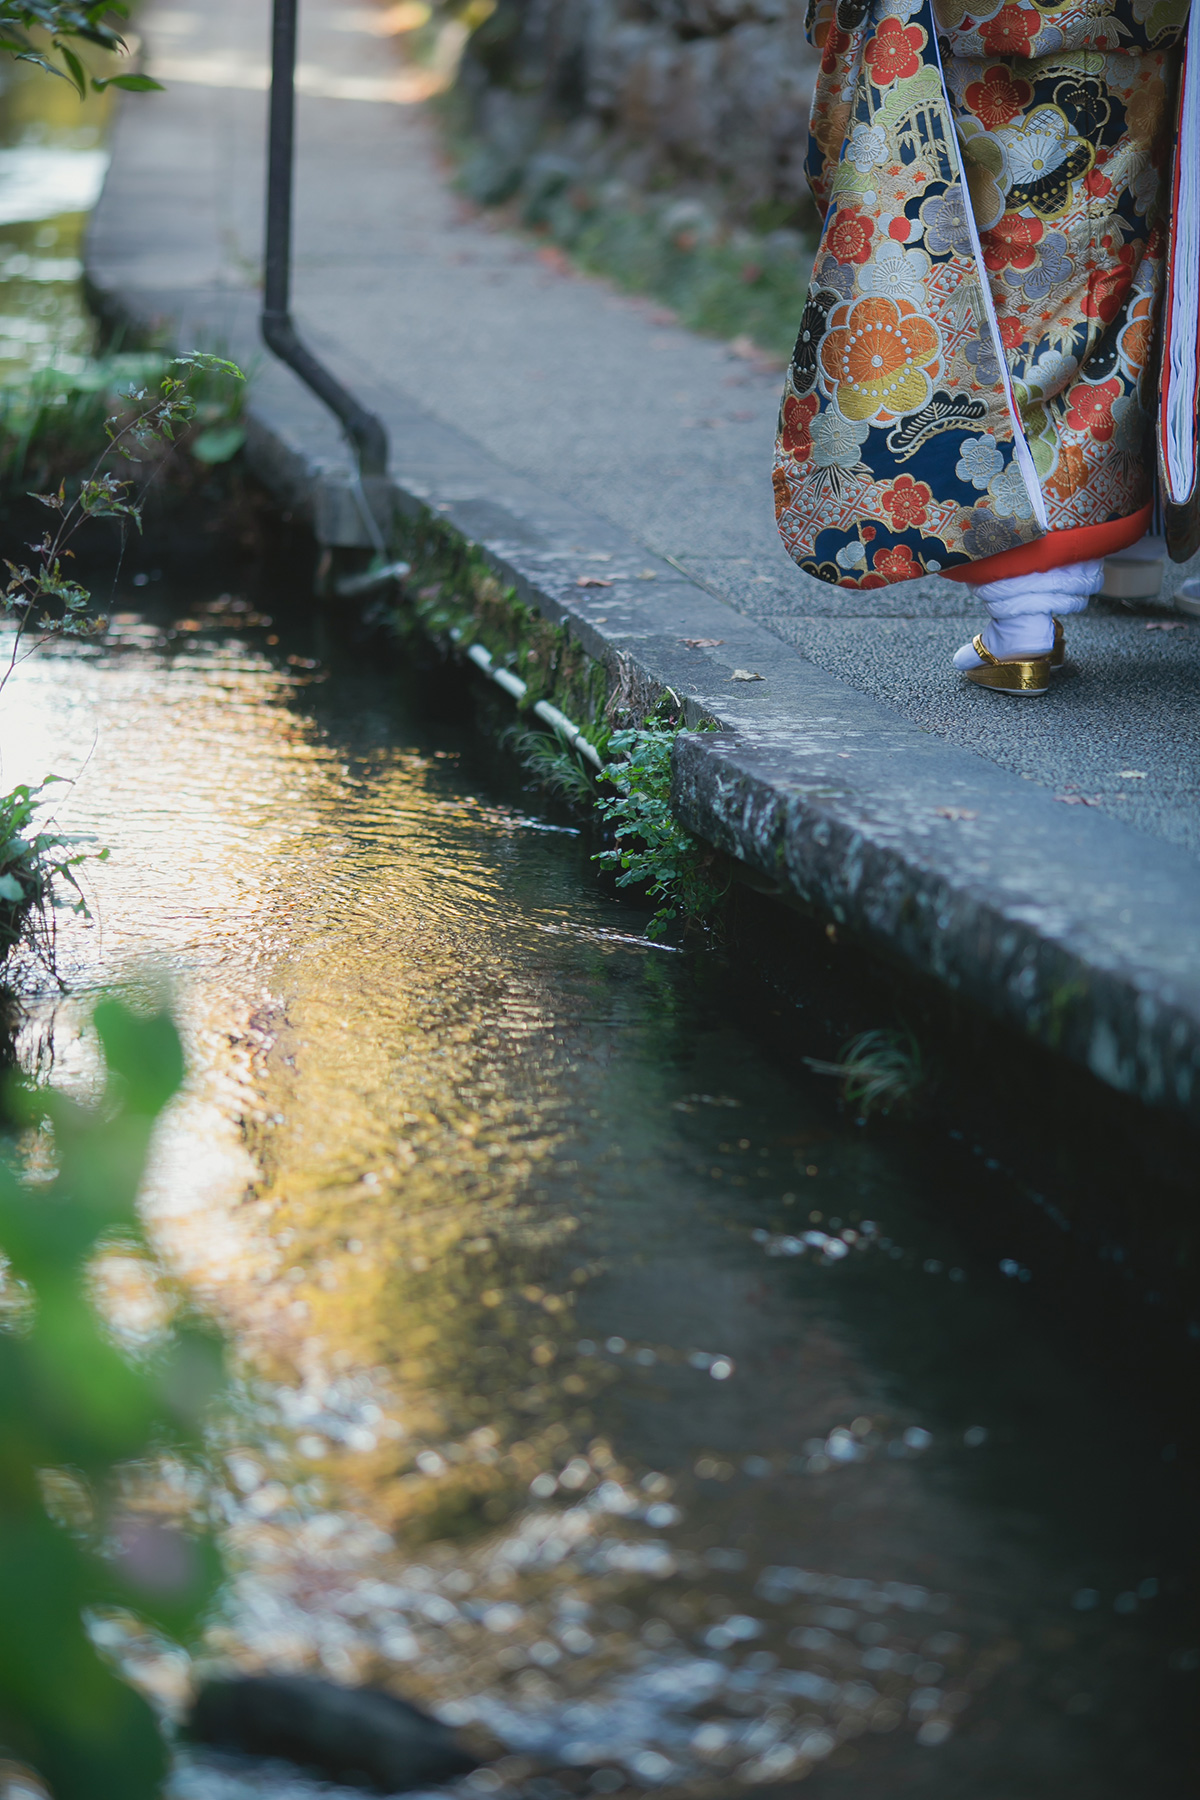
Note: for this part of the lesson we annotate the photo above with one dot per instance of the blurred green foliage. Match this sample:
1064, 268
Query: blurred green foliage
52, 421
881, 1072
25, 26
743, 285
76, 1410
733, 282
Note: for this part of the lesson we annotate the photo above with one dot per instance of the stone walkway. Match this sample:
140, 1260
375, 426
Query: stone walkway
515, 389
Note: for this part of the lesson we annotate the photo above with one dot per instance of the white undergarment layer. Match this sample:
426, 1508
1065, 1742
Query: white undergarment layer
1021, 610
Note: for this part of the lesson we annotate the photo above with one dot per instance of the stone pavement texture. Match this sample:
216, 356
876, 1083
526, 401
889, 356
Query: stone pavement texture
555, 421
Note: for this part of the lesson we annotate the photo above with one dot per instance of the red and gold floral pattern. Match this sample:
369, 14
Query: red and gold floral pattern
794, 435
1012, 244
1011, 32
849, 236
1091, 409
894, 53
906, 502
998, 97
1109, 280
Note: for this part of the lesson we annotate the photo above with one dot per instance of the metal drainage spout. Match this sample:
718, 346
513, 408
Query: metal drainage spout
365, 432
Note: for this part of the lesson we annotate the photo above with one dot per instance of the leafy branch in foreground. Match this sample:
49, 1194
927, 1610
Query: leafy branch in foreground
156, 420
653, 850
79, 1415
84, 22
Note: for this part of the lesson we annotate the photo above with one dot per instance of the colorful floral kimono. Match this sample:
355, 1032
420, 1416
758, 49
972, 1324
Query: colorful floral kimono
975, 386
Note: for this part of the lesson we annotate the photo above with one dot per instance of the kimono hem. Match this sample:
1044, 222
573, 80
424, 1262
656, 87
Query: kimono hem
975, 385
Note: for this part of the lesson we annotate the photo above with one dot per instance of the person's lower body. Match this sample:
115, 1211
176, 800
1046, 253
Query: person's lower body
1021, 644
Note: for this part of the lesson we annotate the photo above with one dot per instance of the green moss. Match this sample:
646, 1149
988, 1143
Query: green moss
453, 592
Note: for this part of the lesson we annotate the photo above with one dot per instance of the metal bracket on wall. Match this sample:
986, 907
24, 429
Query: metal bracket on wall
365, 432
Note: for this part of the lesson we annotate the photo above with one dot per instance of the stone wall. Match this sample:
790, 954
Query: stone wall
700, 99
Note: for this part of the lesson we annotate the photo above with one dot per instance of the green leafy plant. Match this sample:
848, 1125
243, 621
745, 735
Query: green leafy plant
37, 868
653, 850
880, 1071
68, 22
79, 1414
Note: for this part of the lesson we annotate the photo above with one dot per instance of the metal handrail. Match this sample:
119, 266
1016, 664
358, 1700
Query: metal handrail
365, 432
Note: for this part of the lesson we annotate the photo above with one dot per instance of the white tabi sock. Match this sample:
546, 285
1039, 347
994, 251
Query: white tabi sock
1021, 610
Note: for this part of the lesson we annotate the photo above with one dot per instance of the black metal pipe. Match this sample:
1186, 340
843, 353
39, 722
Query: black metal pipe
364, 430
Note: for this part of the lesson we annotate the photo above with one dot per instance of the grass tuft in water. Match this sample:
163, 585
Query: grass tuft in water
882, 1072
556, 766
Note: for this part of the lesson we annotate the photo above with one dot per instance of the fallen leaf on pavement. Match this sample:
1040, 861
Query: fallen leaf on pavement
746, 675
956, 812
702, 643
747, 350
592, 581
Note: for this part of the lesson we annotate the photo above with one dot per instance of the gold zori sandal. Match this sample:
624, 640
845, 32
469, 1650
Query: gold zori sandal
1010, 674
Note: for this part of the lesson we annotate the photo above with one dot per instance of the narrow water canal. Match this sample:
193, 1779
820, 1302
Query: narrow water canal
599, 1383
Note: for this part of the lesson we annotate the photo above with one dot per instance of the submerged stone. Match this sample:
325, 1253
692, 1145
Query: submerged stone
359, 1736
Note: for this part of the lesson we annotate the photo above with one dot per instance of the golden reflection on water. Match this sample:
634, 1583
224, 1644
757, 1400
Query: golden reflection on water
346, 1180
525, 1420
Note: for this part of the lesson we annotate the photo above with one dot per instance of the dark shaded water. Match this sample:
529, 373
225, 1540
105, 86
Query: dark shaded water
599, 1383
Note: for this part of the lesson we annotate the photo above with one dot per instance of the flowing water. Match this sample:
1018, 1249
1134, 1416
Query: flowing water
598, 1384
52, 164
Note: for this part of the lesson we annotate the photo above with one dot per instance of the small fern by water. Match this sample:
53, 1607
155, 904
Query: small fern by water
653, 850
